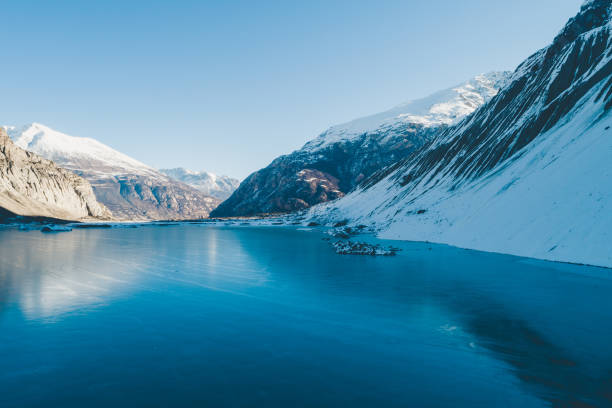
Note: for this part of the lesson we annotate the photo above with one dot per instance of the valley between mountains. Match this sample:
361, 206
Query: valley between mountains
130, 189
517, 162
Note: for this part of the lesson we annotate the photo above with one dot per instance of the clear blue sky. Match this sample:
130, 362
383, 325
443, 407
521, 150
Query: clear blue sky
226, 86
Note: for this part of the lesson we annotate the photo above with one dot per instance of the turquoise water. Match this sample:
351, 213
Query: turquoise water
194, 315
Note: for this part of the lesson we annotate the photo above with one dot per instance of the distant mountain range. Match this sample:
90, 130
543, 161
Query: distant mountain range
331, 165
220, 187
35, 187
529, 173
129, 188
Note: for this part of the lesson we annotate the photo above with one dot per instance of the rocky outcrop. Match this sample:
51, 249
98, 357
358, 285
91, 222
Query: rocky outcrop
284, 186
334, 163
33, 186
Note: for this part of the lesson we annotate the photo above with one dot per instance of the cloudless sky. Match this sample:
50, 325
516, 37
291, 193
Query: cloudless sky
228, 85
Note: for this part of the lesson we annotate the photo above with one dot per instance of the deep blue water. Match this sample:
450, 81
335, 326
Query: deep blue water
194, 315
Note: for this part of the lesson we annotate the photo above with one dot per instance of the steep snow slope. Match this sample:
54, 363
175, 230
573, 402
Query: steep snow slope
33, 186
129, 188
530, 173
331, 165
220, 187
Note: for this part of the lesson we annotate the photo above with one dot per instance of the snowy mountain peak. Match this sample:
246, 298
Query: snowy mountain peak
128, 187
338, 160
594, 3
527, 174
446, 107
74, 152
593, 14
33, 186
461, 101
211, 184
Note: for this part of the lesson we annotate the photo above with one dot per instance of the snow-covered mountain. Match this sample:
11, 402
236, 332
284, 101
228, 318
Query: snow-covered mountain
33, 186
529, 173
76, 152
332, 164
444, 108
129, 188
220, 187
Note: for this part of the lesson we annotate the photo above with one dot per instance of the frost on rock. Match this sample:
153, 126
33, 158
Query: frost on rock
363, 248
345, 231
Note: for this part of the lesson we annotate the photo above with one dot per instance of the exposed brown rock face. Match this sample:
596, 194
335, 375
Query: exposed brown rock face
33, 186
305, 178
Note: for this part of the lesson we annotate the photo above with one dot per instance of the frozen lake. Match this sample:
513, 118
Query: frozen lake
252, 316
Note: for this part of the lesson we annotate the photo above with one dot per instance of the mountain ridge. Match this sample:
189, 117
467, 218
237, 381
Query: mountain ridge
31, 186
331, 165
211, 184
129, 188
527, 174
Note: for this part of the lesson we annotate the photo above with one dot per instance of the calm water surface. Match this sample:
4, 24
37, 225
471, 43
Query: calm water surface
194, 315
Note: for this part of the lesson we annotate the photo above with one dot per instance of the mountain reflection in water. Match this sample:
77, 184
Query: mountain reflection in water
193, 314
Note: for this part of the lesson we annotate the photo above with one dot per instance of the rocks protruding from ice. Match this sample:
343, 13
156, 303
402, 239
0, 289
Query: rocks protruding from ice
363, 248
94, 225
345, 231
55, 228
527, 174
